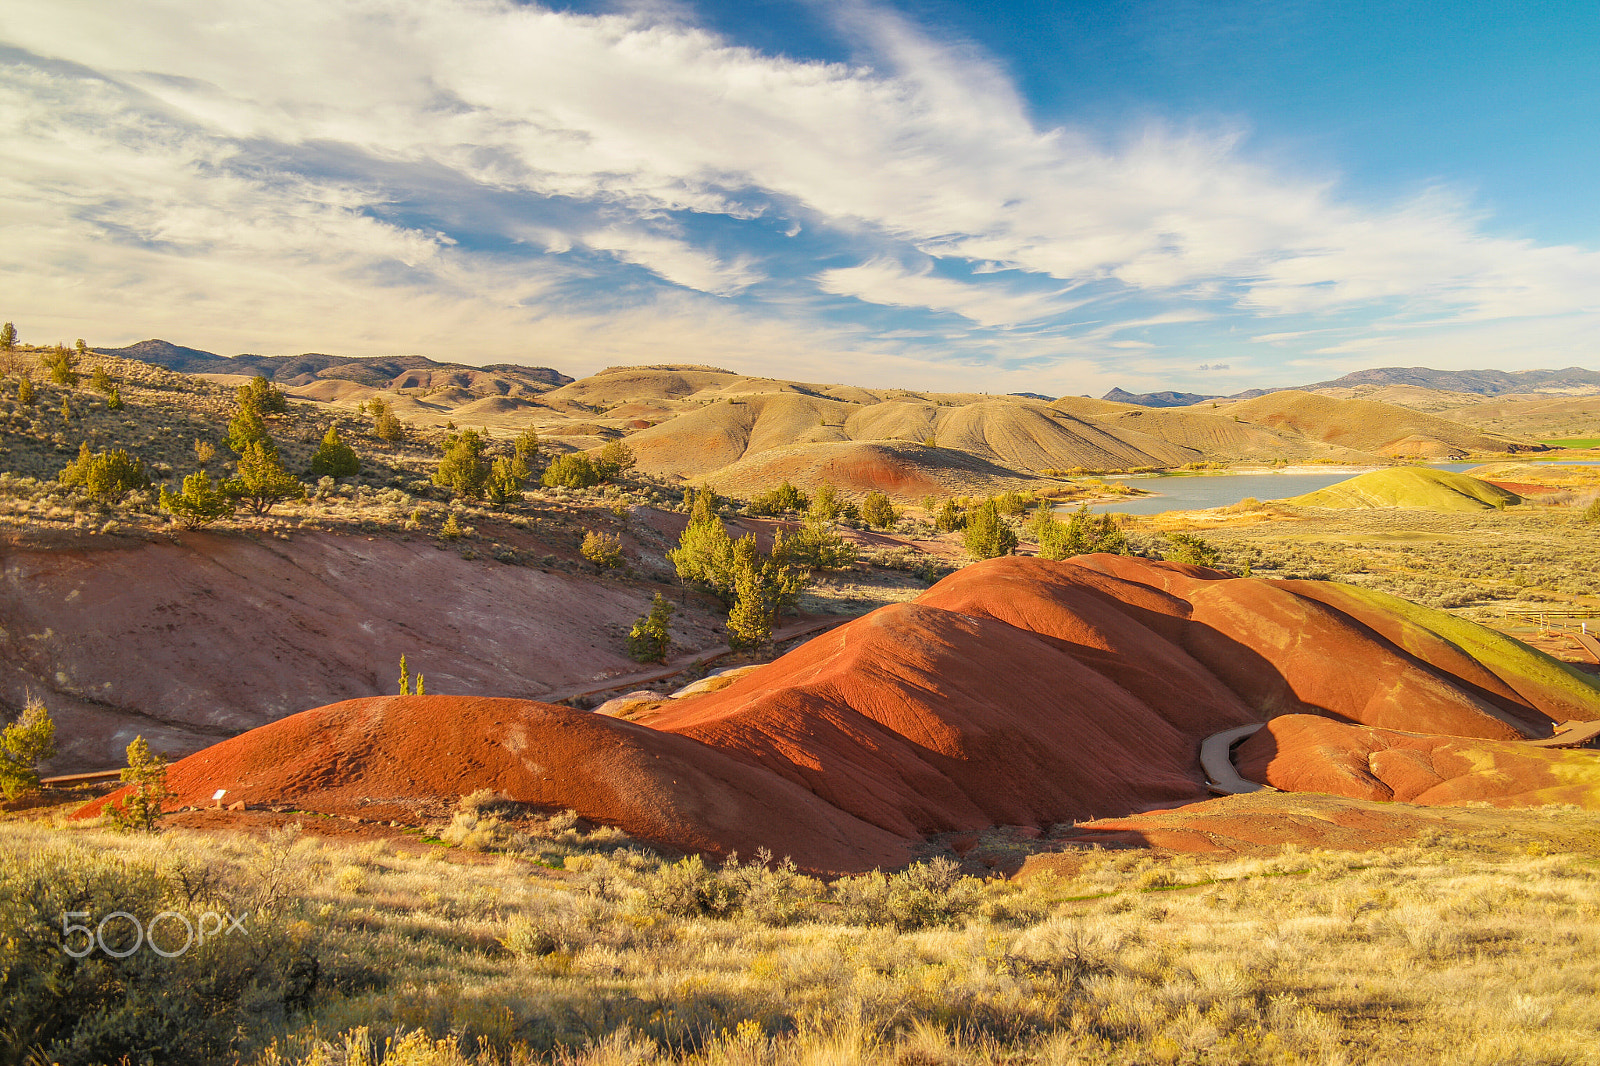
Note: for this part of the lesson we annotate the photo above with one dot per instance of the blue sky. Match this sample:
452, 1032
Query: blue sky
1051, 198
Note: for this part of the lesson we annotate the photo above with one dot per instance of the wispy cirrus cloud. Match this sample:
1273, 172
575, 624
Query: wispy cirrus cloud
400, 175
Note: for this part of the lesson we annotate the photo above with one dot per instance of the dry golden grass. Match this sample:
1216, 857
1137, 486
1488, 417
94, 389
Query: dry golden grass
1448, 950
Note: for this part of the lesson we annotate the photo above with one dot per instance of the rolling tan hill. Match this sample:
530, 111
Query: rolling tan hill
1368, 426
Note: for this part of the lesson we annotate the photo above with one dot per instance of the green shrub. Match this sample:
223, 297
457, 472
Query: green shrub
104, 475
247, 428
114, 401
385, 425
146, 772
1188, 548
200, 503
573, 471
25, 392
988, 536
604, 550
651, 635
62, 365
334, 458
24, 744
192, 1009
464, 468
949, 518
785, 499
260, 481
922, 895
877, 510
261, 396
815, 545
100, 381
505, 482
615, 458
1082, 534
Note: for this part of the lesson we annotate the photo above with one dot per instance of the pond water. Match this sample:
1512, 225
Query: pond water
1184, 492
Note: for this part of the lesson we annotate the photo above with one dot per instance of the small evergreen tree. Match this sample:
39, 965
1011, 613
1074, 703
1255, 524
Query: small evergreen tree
24, 744
949, 518
247, 428
878, 511
25, 394
615, 458
204, 452
261, 482
334, 458
8, 337
604, 550
825, 502
785, 499
114, 401
81, 348
651, 636
464, 468
385, 425
104, 475
147, 773
704, 556
817, 545
750, 617
574, 471
451, 529
199, 504
405, 678
63, 367
262, 395
100, 381
505, 482
526, 447
66, 408
1188, 548
988, 536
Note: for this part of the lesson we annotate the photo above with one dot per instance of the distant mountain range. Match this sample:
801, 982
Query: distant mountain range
1477, 382
406, 371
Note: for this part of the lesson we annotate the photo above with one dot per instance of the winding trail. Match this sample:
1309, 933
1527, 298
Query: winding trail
1216, 759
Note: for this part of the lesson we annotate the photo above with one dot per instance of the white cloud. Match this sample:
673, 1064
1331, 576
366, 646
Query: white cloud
151, 175
884, 281
675, 260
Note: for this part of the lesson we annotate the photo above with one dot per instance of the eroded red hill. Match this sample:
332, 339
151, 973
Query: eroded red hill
1017, 691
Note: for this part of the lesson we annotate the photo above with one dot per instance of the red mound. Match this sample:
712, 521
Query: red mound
1017, 691
1304, 753
386, 757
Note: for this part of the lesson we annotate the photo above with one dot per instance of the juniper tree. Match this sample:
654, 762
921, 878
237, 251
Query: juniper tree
505, 482
24, 744
147, 773
25, 394
261, 482
651, 635
199, 504
988, 536
878, 511
106, 475
100, 381
63, 367
604, 550
263, 395
464, 468
334, 458
615, 458
8, 337
247, 428
573, 471
114, 401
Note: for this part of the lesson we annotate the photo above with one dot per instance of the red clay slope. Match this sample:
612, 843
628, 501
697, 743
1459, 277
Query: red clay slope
388, 756
1304, 753
1016, 691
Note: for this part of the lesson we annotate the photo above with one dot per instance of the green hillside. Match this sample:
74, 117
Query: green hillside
1411, 486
